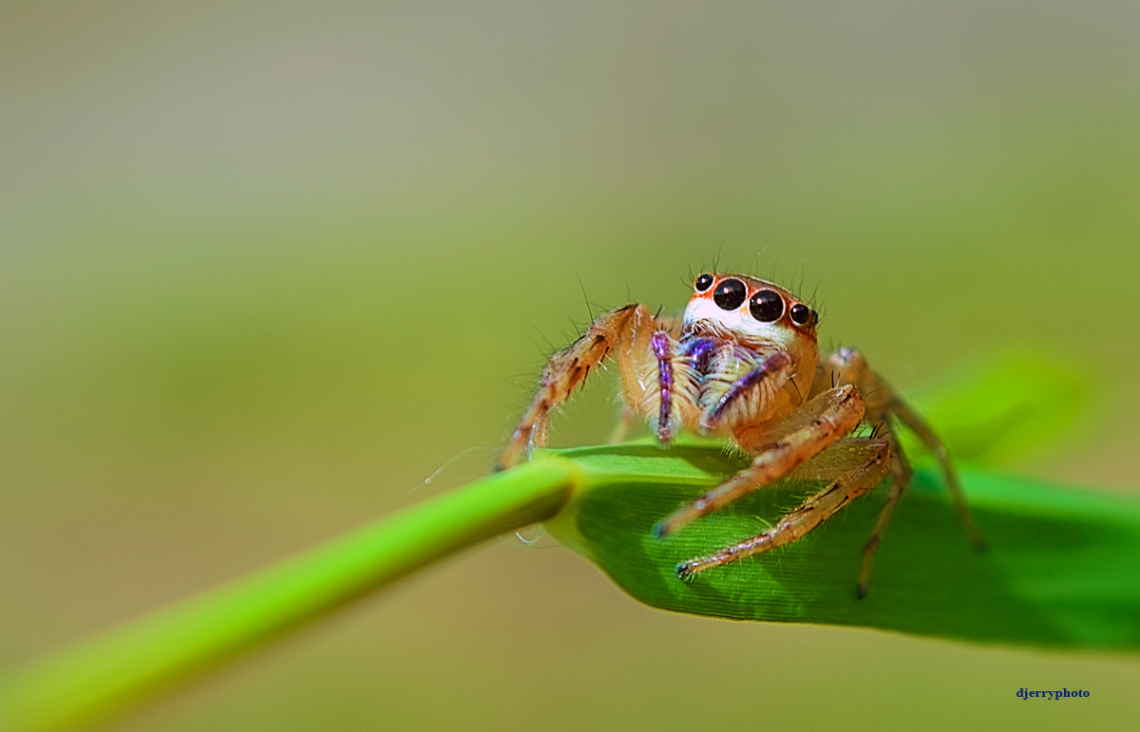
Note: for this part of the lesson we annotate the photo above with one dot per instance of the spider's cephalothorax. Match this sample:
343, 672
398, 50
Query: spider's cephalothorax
743, 362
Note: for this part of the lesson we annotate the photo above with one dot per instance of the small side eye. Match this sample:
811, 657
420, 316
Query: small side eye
766, 306
704, 282
730, 294
801, 314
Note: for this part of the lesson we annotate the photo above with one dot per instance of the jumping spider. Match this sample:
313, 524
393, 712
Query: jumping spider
743, 363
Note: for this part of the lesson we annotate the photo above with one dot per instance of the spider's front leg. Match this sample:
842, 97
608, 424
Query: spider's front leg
622, 330
792, 441
852, 467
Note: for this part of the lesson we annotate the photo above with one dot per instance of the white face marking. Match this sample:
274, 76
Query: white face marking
739, 323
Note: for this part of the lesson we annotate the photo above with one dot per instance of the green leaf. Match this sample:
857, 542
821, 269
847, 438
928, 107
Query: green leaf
1062, 567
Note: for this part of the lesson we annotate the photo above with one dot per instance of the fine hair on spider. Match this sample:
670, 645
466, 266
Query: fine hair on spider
743, 363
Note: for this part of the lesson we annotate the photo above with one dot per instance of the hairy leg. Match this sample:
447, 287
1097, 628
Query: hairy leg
619, 330
918, 426
858, 466
849, 366
792, 441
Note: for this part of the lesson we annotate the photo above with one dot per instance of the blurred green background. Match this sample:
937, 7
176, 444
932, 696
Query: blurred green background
265, 267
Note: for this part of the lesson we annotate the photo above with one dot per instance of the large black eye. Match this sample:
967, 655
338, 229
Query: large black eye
801, 314
704, 282
730, 294
766, 306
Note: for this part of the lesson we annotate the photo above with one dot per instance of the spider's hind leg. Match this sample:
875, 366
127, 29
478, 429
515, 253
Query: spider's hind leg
849, 366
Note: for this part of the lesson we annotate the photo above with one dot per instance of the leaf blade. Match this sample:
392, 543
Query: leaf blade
1062, 569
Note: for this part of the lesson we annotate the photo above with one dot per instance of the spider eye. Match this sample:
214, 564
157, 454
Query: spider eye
801, 314
704, 282
730, 294
766, 306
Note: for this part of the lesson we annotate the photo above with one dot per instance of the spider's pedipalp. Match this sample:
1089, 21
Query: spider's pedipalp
663, 352
757, 387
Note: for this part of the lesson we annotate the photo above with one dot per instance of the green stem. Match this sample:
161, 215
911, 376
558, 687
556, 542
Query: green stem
142, 657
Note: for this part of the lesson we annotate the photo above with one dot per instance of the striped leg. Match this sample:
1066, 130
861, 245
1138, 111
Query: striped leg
618, 329
862, 464
821, 422
849, 366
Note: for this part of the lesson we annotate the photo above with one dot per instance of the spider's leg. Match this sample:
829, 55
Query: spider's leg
922, 430
570, 367
794, 440
849, 366
901, 474
861, 465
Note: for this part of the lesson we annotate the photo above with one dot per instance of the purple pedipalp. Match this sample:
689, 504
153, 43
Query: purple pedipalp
700, 351
660, 345
773, 363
